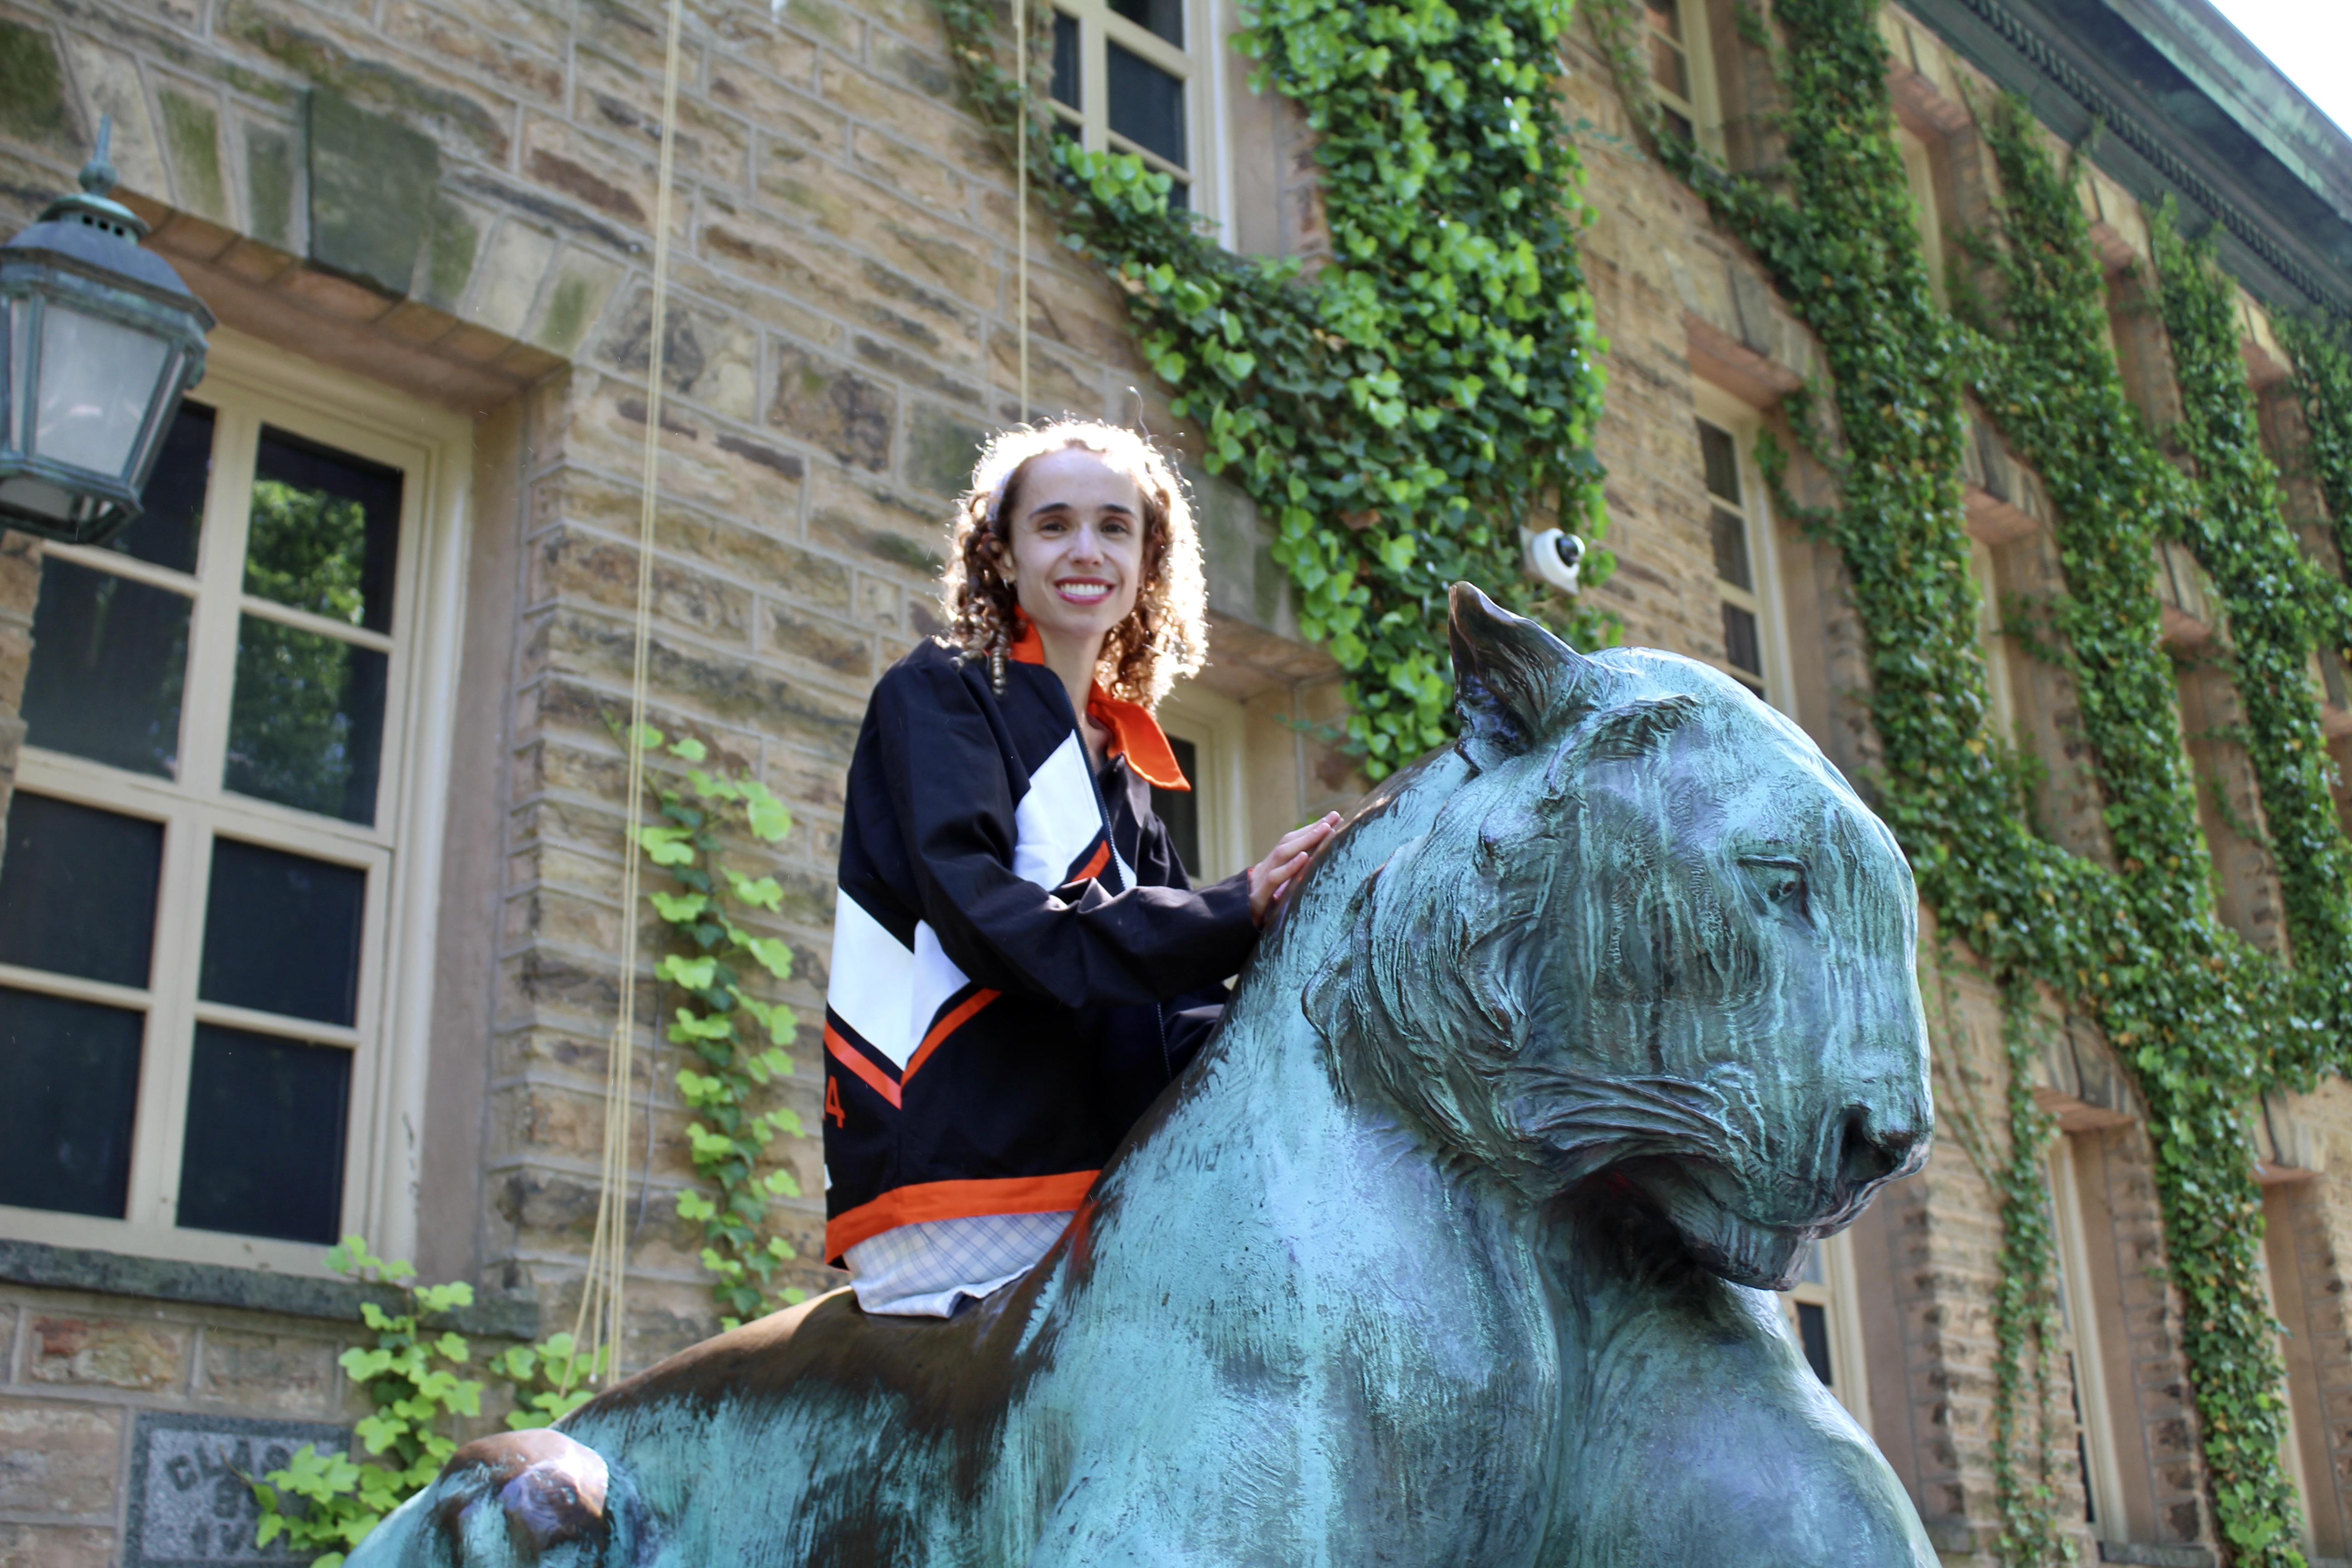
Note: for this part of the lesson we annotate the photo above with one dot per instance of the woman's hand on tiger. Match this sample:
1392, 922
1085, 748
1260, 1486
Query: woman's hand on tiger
1270, 879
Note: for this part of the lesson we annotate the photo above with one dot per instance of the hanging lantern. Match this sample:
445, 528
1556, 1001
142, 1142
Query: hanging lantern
98, 339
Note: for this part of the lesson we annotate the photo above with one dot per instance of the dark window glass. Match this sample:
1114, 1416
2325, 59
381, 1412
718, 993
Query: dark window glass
1146, 105
264, 1151
1739, 647
1165, 17
1069, 79
1721, 455
110, 658
306, 722
1666, 16
325, 532
172, 505
1813, 1331
282, 933
1731, 550
78, 890
69, 1091
1677, 125
1179, 197
1180, 810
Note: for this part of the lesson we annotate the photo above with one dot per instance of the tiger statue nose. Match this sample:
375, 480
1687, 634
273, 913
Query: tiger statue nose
1874, 1145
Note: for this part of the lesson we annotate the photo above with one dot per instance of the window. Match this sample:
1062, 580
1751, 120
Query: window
1919, 173
204, 867
1209, 824
1128, 78
1742, 549
1681, 70
2082, 1355
1823, 1309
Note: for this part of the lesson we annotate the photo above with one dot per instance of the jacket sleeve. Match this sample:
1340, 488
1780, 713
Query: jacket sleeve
946, 777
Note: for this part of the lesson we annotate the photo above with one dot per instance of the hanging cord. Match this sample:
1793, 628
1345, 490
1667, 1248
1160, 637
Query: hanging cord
1021, 198
597, 1328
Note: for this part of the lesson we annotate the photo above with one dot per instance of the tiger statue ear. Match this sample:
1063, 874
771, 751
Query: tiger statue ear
1514, 682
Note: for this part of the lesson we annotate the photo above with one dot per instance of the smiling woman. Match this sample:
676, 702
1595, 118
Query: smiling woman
1020, 961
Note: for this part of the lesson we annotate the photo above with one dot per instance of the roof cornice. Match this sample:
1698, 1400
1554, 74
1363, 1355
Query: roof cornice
2189, 109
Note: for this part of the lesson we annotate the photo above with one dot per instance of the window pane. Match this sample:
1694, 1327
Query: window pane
1147, 106
1180, 810
109, 660
1739, 640
1069, 82
1165, 17
1721, 455
78, 890
282, 933
1666, 16
1814, 1333
263, 1153
1731, 548
165, 533
306, 722
68, 1090
325, 529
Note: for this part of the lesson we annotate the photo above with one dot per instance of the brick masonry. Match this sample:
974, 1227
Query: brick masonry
455, 198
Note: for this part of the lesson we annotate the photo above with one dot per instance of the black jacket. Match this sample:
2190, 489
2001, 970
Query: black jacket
1011, 986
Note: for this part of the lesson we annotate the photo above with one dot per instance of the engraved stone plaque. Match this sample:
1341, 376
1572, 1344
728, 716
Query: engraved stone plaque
190, 1505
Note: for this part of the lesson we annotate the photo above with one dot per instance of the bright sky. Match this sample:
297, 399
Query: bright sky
2310, 41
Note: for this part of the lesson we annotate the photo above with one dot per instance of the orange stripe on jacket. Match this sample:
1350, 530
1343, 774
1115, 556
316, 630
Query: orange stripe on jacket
1135, 734
954, 1200
947, 1025
845, 1053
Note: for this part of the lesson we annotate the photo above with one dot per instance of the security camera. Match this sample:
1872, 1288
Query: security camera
1553, 557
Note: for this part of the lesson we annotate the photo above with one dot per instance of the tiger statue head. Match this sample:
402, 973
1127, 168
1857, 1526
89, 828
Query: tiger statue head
1649, 935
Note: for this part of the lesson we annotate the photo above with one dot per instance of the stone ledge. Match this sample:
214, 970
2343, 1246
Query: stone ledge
2156, 1556
249, 1289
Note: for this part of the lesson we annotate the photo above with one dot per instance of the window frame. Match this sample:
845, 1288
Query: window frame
1197, 65
1835, 1294
249, 383
1703, 105
1765, 601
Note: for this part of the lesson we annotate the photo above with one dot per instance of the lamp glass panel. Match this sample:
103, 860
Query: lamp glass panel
110, 661
78, 890
68, 1096
96, 378
264, 1151
306, 720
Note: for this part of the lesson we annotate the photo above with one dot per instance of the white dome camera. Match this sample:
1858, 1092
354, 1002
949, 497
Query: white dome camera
1553, 557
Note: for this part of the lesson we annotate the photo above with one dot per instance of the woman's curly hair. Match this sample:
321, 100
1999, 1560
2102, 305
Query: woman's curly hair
1163, 639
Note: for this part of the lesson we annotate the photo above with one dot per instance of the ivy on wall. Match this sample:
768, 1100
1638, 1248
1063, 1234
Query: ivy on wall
2203, 1021
1400, 414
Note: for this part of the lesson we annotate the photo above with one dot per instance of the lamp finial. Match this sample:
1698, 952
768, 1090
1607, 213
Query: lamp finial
99, 175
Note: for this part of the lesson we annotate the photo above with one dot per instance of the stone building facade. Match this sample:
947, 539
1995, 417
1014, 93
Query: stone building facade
426, 226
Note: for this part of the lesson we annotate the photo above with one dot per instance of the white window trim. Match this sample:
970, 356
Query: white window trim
1199, 65
1218, 727
2084, 1327
1719, 408
246, 379
1919, 176
1835, 1294
1993, 643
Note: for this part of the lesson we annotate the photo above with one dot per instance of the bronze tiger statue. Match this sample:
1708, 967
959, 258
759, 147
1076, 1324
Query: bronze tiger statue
1451, 1249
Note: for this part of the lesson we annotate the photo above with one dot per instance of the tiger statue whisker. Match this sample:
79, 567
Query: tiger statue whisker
1454, 1247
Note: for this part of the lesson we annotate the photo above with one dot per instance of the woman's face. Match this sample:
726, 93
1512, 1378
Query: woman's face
1077, 542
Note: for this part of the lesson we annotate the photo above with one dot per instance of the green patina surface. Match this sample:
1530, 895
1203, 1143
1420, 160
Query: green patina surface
373, 187
32, 86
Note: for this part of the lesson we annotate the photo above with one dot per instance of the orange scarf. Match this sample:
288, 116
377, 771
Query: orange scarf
1134, 733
